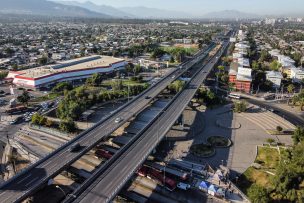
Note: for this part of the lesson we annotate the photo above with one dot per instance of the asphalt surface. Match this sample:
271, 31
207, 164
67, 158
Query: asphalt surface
27, 182
104, 187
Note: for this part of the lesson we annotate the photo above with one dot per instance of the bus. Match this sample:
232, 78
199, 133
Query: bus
181, 175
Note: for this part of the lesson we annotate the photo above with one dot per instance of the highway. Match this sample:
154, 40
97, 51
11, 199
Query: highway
27, 182
102, 187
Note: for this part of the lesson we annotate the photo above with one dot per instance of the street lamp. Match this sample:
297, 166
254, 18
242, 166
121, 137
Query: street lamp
57, 186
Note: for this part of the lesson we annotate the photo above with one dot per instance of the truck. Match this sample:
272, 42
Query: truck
179, 174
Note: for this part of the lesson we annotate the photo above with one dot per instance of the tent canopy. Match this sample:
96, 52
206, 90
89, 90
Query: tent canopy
204, 185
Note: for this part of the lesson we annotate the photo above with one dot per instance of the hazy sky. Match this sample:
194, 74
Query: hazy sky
204, 6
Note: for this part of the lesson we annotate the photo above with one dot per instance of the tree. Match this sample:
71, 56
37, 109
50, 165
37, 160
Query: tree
258, 194
290, 88
270, 140
137, 69
3, 74
275, 65
95, 80
290, 175
255, 65
43, 60
68, 126
129, 67
240, 106
176, 86
279, 128
221, 68
116, 85
60, 87
49, 123
265, 56
297, 58
24, 97
298, 135
38, 119
225, 78
157, 53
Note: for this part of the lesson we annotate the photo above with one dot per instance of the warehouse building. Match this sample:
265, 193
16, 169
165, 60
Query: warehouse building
71, 70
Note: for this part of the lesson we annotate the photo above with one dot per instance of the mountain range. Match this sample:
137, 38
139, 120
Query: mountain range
47, 8
91, 10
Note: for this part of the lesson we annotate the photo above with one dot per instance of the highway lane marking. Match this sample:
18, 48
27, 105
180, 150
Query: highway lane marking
32, 181
24, 178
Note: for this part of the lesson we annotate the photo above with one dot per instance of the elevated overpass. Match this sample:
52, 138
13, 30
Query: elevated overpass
107, 181
33, 178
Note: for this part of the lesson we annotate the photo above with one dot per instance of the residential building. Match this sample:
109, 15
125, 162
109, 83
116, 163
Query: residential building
275, 77
297, 74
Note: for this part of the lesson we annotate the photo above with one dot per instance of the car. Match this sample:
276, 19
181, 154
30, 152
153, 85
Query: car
183, 186
27, 119
2, 92
173, 76
118, 120
147, 97
16, 120
76, 147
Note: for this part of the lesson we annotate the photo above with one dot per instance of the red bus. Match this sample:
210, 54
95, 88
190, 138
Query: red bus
143, 171
169, 183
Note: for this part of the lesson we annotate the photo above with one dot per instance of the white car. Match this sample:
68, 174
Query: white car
118, 120
183, 186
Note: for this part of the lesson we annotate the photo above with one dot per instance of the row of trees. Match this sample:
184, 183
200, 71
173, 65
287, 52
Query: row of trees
79, 99
68, 126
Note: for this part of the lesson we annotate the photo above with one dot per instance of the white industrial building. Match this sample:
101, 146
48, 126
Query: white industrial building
71, 70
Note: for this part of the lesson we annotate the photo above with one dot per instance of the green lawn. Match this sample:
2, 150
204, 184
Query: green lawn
268, 158
190, 51
50, 96
124, 82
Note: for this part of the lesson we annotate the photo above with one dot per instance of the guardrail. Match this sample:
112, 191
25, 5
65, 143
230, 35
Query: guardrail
96, 125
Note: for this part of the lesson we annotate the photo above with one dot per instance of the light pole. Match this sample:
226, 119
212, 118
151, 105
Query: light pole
165, 174
57, 186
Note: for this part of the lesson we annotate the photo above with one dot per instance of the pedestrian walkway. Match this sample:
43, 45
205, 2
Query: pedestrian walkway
266, 119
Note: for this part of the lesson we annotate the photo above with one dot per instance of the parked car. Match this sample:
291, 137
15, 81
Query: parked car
183, 186
16, 120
